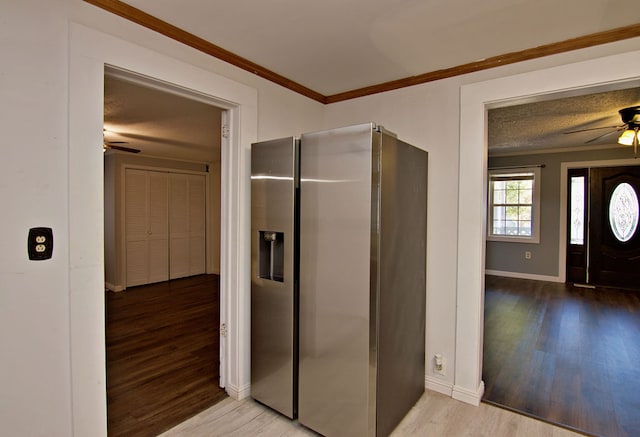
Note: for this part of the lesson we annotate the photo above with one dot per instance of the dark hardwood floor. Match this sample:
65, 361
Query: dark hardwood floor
564, 354
162, 351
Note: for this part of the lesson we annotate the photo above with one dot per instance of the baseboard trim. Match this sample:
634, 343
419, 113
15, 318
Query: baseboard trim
468, 396
238, 393
112, 287
438, 385
520, 275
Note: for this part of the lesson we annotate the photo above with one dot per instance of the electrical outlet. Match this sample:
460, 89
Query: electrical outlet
40, 244
439, 364
223, 329
527, 254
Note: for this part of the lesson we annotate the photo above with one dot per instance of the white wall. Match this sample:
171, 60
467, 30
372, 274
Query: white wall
90, 51
428, 116
51, 176
34, 295
282, 112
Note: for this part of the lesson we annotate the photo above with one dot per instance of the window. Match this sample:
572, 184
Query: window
514, 205
623, 212
576, 211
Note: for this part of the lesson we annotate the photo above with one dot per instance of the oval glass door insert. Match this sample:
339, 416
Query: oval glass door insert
623, 212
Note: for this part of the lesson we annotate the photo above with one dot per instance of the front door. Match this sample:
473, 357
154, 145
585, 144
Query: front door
614, 234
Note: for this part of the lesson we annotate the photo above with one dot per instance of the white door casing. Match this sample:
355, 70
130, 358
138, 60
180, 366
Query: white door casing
90, 52
475, 99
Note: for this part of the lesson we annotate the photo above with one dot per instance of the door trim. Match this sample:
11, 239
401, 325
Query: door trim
475, 99
89, 52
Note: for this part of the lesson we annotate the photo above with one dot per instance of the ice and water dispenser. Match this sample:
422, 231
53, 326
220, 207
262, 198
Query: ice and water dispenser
271, 255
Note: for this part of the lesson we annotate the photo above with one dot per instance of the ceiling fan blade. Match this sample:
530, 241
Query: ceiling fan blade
593, 128
121, 148
604, 135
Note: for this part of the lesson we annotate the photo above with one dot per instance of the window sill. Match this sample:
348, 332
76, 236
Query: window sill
523, 240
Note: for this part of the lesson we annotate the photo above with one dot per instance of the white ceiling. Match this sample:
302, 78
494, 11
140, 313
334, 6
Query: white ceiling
332, 46
159, 122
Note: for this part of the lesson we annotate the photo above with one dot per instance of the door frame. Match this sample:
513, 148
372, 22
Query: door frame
475, 100
90, 52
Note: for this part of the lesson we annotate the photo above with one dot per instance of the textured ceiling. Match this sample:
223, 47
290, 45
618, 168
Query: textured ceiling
543, 124
333, 46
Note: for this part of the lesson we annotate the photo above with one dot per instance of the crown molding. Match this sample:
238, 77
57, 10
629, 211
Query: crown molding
150, 22
568, 45
137, 16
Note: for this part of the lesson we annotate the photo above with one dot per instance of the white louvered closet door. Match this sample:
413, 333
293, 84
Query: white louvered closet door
197, 214
158, 227
179, 226
146, 227
186, 225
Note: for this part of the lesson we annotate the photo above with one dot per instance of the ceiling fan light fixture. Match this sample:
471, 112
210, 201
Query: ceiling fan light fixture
629, 137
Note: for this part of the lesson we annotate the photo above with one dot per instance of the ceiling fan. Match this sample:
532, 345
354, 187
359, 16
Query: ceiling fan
115, 145
630, 127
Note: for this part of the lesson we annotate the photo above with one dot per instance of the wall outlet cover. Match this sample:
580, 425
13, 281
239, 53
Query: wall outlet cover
40, 244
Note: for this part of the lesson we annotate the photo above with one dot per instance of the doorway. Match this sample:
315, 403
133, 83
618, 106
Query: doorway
603, 241
90, 51
475, 99
162, 181
162, 223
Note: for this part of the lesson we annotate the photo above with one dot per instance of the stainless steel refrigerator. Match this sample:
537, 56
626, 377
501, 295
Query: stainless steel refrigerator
338, 278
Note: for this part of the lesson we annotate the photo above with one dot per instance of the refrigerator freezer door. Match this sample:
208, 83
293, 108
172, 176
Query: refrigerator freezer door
337, 372
273, 286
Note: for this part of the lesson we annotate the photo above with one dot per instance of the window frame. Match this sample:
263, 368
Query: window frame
534, 238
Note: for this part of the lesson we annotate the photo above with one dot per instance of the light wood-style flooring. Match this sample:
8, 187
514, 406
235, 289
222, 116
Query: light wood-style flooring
162, 349
567, 354
434, 415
